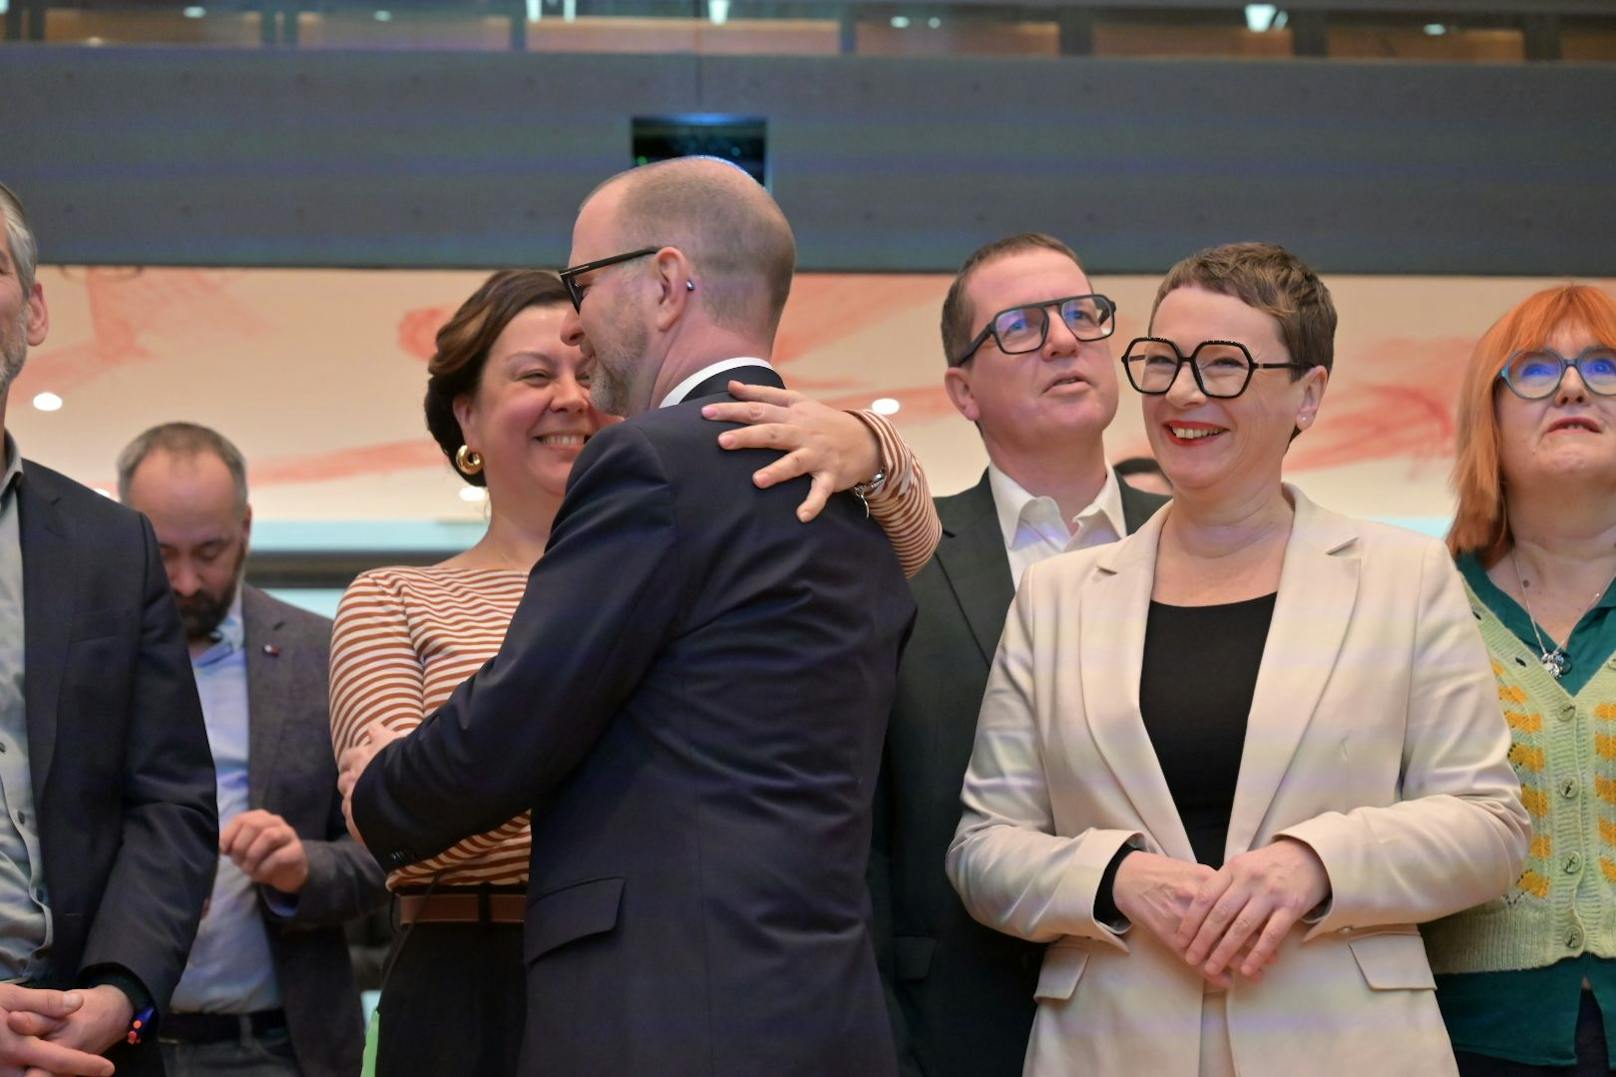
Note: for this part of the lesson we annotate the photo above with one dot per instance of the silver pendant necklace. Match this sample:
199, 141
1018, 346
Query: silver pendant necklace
1556, 661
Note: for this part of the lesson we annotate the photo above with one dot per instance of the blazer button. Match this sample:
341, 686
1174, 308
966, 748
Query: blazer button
1568, 712
1572, 864
1569, 789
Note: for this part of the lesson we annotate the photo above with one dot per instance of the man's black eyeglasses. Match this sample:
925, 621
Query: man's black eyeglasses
570, 275
1023, 329
1221, 368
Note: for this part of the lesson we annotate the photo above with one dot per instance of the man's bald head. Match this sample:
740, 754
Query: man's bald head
723, 220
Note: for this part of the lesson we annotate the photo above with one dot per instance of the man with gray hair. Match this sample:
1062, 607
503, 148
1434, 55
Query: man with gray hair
269, 988
108, 831
692, 695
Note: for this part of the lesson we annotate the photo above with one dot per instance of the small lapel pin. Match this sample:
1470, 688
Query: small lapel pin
272, 650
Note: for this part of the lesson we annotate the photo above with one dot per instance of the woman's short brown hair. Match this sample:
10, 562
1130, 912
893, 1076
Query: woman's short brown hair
1481, 525
1269, 278
463, 343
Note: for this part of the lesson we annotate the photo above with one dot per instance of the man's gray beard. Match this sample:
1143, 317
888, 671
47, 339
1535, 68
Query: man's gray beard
608, 392
11, 361
612, 389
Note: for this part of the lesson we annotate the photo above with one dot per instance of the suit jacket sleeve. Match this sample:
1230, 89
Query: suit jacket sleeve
1012, 870
1458, 836
164, 869
345, 882
598, 607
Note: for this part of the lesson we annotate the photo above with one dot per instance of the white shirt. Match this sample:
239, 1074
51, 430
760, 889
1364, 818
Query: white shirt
1033, 528
679, 392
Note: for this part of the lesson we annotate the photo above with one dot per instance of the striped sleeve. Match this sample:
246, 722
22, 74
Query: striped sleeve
376, 675
903, 505
378, 678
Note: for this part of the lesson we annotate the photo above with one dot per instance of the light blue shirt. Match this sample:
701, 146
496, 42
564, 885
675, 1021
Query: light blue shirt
25, 921
231, 969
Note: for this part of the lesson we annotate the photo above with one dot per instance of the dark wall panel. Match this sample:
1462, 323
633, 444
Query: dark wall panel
192, 156
470, 159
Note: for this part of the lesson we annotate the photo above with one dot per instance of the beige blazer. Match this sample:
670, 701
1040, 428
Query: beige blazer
1375, 736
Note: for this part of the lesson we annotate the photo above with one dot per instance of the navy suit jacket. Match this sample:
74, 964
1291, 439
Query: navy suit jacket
691, 699
122, 773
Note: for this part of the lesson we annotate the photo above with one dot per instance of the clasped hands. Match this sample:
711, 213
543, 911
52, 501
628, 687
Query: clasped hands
60, 1033
1224, 921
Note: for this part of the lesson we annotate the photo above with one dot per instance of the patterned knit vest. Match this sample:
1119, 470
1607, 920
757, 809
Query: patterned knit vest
1564, 752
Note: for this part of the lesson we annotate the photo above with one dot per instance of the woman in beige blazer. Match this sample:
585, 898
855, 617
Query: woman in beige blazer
1225, 766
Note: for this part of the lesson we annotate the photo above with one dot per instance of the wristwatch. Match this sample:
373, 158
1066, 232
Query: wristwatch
871, 486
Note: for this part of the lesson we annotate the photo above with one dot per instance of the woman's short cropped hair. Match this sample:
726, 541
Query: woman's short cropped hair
1481, 524
1271, 279
456, 367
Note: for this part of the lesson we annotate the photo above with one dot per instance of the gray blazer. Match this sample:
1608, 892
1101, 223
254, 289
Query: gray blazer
291, 772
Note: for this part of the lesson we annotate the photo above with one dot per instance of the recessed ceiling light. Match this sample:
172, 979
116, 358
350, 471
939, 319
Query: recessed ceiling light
885, 405
1435, 29
474, 495
384, 16
48, 402
900, 22
194, 12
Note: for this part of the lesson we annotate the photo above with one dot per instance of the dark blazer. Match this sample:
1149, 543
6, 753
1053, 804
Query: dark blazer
122, 774
290, 771
961, 994
691, 698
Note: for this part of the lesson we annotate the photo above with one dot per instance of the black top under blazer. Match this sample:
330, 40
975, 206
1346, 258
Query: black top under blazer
960, 994
122, 772
691, 698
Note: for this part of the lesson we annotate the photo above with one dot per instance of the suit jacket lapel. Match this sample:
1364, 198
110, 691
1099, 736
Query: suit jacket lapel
267, 670
1318, 587
1113, 606
972, 559
49, 588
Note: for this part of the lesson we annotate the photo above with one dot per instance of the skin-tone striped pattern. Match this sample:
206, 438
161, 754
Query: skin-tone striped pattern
405, 638
903, 505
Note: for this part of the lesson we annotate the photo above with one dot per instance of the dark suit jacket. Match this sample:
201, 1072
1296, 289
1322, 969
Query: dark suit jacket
691, 698
961, 994
290, 771
122, 775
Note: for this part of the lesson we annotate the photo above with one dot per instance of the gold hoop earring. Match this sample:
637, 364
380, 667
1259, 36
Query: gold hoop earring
468, 460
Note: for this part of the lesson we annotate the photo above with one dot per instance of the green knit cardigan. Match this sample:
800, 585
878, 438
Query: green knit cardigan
1564, 752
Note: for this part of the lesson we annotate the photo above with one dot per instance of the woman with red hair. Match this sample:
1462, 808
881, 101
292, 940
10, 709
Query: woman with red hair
1523, 980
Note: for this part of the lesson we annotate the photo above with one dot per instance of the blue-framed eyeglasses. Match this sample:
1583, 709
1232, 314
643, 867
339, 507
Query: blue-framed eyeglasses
1536, 373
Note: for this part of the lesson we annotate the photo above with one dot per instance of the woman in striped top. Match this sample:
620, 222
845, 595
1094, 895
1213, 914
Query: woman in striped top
507, 402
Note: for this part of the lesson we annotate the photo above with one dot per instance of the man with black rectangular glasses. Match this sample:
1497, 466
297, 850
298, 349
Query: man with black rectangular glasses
1029, 362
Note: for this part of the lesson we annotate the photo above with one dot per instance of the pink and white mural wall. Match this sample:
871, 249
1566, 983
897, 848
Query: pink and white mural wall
317, 375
